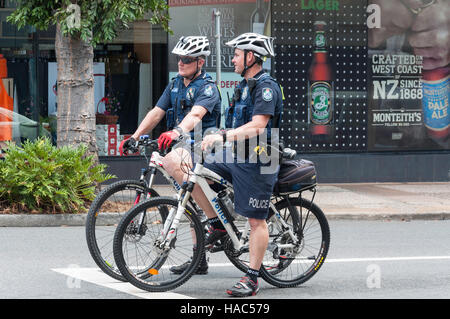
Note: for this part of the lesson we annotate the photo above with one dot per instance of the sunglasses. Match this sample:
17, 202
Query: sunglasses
186, 59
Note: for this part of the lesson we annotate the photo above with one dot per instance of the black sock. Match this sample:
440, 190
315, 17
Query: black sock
216, 223
253, 274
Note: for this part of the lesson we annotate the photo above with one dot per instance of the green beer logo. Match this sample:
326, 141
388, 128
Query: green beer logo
320, 103
320, 40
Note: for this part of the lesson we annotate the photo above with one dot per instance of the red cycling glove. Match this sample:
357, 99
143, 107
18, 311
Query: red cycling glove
166, 138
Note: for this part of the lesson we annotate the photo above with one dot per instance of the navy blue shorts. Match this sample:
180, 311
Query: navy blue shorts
253, 185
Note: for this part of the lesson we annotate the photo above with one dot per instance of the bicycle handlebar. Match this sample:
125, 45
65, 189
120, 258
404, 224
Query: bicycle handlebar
144, 140
284, 152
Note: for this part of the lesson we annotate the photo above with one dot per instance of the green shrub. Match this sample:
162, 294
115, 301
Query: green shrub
39, 177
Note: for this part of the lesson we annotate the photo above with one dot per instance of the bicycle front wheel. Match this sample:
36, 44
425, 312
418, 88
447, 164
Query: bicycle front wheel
145, 258
105, 213
297, 261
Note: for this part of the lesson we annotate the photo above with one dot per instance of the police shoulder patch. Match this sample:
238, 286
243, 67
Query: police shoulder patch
209, 90
267, 94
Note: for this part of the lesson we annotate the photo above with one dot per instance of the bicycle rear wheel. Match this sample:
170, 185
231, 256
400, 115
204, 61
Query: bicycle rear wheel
141, 254
299, 261
241, 260
105, 213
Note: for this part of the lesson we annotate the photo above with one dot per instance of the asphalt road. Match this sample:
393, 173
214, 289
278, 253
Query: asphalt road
367, 259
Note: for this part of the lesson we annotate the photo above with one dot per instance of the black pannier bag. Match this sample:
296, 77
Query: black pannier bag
295, 176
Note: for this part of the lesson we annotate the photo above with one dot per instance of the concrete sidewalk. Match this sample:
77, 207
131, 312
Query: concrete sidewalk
378, 200
369, 201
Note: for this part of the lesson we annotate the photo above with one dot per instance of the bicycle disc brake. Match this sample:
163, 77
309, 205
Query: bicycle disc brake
135, 232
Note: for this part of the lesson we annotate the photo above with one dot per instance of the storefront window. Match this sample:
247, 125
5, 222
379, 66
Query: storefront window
346, 88
19, 96
197, 18
125, 80
130, 73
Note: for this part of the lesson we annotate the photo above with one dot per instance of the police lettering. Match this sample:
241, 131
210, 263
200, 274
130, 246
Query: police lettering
257, 203
219, 210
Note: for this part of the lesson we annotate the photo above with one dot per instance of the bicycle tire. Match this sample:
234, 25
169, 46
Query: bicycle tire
310, 220
100, 237
136, 255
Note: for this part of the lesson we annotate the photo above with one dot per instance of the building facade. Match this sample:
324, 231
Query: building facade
364, 102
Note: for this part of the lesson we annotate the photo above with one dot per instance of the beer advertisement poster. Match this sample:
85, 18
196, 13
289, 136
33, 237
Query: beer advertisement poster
408, 88
363, 76
357, 76
321, 62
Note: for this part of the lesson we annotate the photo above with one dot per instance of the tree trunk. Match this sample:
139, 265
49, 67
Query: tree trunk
75, 85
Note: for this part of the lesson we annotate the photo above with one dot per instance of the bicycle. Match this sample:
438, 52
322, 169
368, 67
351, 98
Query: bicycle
145, 247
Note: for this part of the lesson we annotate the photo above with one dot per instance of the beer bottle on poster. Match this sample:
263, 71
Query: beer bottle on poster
435, 102
320, 85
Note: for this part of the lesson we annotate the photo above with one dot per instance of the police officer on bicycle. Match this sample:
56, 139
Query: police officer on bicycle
256, 110
191, 100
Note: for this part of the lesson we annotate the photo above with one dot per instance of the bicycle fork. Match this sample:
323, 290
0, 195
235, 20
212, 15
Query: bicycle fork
173, 218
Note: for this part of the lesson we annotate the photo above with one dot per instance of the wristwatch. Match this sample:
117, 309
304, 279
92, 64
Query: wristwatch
416, 6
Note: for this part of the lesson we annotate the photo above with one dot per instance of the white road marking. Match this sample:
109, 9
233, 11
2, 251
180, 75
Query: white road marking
96, 276
346, 260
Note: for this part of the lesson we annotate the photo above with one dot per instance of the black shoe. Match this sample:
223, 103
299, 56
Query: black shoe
213, 236
201, 270
244, 288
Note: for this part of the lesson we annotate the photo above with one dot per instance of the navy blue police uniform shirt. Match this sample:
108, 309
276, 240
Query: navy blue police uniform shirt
250, 184
260, 95
265, 98
177, 100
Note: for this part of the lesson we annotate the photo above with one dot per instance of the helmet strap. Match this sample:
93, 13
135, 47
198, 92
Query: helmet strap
246, 67
194, 75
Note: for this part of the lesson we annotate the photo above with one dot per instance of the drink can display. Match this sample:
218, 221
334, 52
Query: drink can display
435, 102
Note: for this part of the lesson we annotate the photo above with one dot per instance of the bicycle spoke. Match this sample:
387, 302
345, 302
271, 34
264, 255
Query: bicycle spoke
145, 257
300, 259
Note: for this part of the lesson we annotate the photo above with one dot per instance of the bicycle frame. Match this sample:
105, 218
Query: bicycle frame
157, 165
200, 176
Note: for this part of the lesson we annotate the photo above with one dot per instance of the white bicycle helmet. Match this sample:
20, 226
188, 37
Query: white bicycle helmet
261, 45
192, 46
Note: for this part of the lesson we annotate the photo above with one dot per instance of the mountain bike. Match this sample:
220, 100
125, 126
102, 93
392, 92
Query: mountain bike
147, 244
